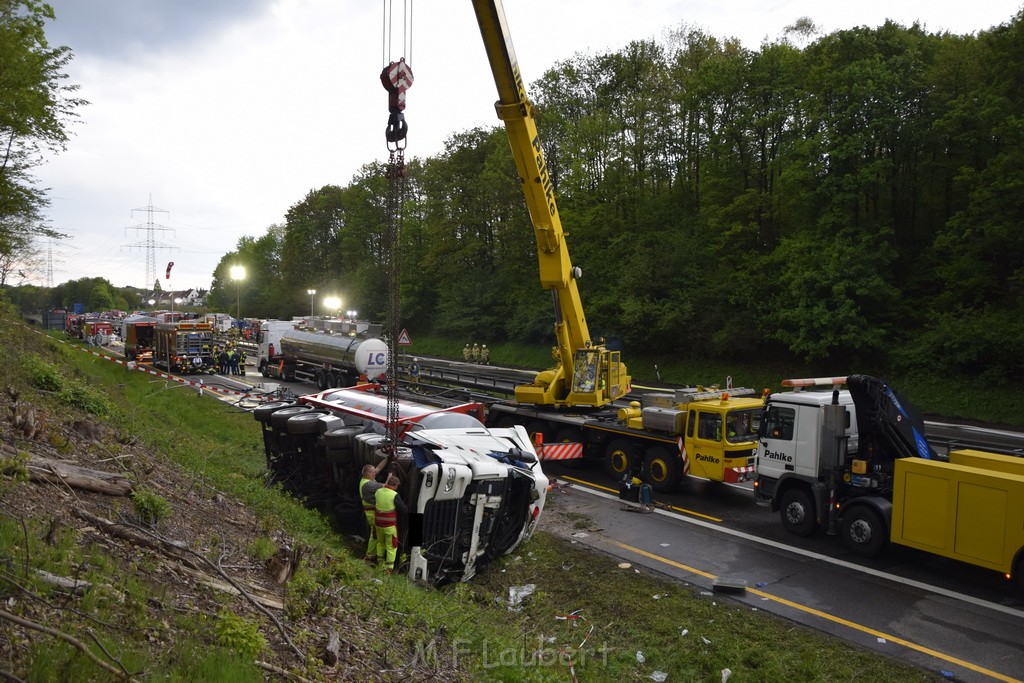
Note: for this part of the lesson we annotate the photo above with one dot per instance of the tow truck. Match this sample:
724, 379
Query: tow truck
571, 403
856, 462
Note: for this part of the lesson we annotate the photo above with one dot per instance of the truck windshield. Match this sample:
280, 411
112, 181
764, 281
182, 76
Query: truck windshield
742, 425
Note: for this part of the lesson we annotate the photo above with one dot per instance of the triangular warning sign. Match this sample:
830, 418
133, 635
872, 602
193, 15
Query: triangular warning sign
404, 339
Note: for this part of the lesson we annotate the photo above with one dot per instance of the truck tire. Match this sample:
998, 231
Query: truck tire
320, 379
663, 469
620, 458
863, 531
263, 369
279, 418
304, 423
797, 512
262, 413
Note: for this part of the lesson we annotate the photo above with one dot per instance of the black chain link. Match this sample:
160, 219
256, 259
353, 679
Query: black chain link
396, 173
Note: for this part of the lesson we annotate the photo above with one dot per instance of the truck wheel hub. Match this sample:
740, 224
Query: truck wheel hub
860, 531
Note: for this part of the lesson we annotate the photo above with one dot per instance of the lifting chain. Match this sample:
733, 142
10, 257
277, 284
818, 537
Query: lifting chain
396, 78
396, 173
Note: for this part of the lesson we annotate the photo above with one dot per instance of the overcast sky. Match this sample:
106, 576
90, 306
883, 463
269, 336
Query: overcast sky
227, 112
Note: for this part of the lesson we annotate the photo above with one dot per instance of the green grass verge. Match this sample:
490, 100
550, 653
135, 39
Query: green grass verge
585, 612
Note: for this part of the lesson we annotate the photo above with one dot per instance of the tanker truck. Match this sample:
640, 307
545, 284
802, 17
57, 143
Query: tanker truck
337, 355
473, 493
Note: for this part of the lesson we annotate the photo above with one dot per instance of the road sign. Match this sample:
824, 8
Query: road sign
404, 339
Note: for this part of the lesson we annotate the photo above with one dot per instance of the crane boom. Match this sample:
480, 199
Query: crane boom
588, 374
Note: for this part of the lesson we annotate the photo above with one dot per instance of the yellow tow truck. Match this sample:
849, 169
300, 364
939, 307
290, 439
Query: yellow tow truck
856, 462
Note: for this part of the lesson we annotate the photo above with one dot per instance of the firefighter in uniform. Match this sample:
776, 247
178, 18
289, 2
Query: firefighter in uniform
485, 355
467, 354
414, 374
368, 486
388, 505
476, 353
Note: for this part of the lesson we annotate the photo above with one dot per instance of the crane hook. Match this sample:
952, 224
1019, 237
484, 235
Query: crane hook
396, 78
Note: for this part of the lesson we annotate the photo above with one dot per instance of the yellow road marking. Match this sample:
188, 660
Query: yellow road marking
831, 617
671, 507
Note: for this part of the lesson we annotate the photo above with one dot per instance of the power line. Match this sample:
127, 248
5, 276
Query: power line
149, 243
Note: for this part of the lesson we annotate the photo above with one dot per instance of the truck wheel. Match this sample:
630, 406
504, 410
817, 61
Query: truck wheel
863, 531
620, 457
263, 370
1018, 575
320, 379
663, 469
797, 512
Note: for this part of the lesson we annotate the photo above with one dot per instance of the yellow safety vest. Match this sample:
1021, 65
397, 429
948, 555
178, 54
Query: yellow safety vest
368, 506
387, 515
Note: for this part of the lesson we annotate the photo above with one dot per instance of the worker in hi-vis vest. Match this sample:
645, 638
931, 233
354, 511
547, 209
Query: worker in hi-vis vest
389, 504
368, 486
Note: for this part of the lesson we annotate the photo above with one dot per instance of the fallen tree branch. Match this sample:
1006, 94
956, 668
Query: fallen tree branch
153, 540
132, 536
267, 666
71, 640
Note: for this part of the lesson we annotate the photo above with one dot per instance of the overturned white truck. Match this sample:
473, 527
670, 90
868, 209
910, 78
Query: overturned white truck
473, 493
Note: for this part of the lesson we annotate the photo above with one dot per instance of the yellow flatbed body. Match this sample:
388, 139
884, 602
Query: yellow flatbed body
969, 509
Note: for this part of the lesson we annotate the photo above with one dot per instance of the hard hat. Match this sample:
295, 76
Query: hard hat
415, 360
485, 346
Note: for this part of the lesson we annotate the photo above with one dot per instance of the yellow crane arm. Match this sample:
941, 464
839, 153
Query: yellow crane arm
588, 374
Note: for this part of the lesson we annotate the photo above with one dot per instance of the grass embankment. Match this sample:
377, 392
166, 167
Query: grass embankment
585, 612
959, 398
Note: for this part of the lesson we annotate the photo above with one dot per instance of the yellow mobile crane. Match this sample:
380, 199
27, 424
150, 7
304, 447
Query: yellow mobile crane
587, 373
668, 436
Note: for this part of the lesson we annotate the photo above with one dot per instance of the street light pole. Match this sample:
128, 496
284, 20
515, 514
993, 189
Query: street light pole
312, 293
238, 274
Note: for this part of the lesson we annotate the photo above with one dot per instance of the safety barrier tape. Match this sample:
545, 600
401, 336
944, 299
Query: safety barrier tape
133, 365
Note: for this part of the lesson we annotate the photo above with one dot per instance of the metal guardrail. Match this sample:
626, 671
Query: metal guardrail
943, 436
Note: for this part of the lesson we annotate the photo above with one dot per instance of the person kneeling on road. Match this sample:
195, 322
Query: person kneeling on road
388, 505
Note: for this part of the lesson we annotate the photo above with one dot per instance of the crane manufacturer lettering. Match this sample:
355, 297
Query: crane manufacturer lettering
707, 458
545, 177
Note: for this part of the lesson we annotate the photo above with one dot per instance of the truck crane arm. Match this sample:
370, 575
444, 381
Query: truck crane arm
588, 374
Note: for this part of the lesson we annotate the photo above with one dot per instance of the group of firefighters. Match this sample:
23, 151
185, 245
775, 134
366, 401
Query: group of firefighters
381, 504
476, 354
230, 361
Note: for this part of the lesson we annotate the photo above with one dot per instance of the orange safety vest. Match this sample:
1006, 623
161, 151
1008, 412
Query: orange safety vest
387, 515
367, 506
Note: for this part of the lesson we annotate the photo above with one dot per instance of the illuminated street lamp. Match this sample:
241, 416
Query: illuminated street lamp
332, 303
312, 293
238, 274
351, 315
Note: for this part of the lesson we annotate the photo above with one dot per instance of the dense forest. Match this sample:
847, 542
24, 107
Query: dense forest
850, 198
856, 198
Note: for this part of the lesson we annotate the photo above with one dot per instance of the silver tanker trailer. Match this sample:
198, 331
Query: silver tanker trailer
329, 358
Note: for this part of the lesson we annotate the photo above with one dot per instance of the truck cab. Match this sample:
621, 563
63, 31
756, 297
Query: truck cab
268, 340
798, 447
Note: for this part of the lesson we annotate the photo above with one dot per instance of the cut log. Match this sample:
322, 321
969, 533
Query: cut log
59, 472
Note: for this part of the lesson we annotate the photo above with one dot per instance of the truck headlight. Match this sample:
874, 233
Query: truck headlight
449, 482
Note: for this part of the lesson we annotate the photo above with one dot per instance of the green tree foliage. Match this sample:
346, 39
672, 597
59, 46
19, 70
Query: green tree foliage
846, 198
35, 105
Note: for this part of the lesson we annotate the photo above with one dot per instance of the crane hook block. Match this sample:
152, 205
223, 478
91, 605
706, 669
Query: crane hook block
396, 79
397, 128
